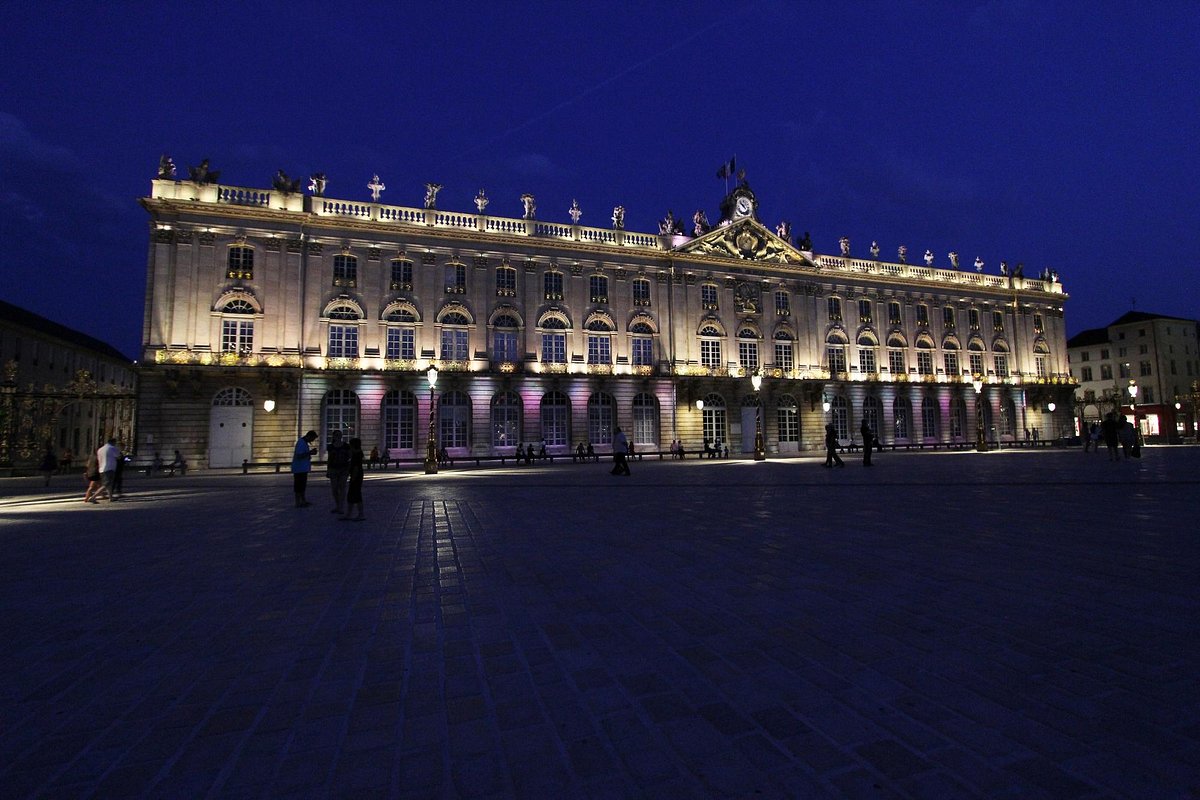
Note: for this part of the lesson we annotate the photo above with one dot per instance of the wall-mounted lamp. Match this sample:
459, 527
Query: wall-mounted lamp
1051, 406
699, 405
268, 406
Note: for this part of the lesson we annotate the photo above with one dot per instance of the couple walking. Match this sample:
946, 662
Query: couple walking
831, 444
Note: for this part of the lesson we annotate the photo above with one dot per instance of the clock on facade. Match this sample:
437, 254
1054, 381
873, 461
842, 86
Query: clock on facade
743, 207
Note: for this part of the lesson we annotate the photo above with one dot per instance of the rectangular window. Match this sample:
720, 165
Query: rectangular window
241, 263
951, 361
1106, 372
1038, 325
343, 341
1085, 373
1143, 349
552, 282
948, 318
1104, 354
345, 271
504, 345
864, 311
599, 350
837, 358
1000, 360
710, 353
554, 348
1085, 356
783, 356
925, 362
599, 289
401, 344
1144, 367
642, 351
998, 321
835, 308
973, 318
783, 305
896, 361
708, 297
748, 355
641, 292
1123, 371
1148, 394
237, 336
866, 360
456, 278
976, 361
402, 271
923, 316
893, 313
506, 282
454, 344
789, 424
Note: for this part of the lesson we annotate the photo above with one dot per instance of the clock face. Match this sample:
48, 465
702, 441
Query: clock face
743, 206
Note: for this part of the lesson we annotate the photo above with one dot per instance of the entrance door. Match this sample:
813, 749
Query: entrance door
230, 428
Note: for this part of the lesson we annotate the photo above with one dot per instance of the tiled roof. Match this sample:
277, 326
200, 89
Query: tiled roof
19, 316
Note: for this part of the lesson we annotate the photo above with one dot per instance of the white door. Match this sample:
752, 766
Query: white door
229, 435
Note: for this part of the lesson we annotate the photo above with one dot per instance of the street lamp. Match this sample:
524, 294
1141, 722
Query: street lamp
1133, 393
760, 453
980, 441
431, 460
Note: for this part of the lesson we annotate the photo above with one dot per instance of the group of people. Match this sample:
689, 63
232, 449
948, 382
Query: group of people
343, 467
1116, 432
869, 443
103, 473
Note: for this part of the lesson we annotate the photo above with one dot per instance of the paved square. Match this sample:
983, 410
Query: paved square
1008, 625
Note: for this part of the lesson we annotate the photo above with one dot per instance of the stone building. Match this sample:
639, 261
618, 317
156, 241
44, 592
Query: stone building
60, 388
273, 311
1157, 354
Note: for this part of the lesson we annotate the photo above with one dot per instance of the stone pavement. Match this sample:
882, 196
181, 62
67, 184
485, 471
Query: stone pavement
1008, 625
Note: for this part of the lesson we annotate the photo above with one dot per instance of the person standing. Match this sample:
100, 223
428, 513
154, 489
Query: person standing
831, 443
91, 476
620, 453
49, 464
868, 441
1109, 429
301, 466
354, 498
107, 456
337, 467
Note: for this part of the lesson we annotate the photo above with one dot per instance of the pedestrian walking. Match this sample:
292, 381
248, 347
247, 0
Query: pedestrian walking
1127, 436
620, 453
301, 466
868, 441
354, 498
91, 477
337, 468
831, 445
107, 457
1109, 429
49, 464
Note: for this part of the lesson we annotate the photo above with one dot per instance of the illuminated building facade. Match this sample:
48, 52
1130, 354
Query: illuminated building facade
552, 332
1160, 355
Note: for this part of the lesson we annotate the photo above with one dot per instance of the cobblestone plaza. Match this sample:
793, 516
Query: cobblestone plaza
1009, 624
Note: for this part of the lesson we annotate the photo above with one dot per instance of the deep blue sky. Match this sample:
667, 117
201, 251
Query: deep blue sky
1061, 135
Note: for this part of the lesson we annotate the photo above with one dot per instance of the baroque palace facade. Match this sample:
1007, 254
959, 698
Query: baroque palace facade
272, 311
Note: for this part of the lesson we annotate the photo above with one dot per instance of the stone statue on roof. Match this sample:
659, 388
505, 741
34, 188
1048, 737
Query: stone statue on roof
481, 201
575, 212
618, 217
530, 205
166, 168
700, 224
431, 190
202, 174
317, 183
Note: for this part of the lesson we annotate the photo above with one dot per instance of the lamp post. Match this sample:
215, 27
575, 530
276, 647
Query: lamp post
980, 441
1051, 406
431, 460
1133, 393
760, 453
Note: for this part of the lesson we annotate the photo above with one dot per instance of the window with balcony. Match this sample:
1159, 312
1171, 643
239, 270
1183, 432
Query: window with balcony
343, 341
345, 271
1000, 361
401, 343
402, 275
506, 281
924, 361
598, 286
455, 344
237, 336
950, 362
641, 292
241, 263
896, 360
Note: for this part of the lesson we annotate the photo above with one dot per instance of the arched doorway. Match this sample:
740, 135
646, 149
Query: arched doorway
230, 428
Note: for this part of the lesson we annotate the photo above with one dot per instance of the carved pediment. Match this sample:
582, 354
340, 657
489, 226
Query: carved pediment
745, 240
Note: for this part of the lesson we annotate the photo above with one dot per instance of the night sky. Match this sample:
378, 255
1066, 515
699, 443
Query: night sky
1060, 135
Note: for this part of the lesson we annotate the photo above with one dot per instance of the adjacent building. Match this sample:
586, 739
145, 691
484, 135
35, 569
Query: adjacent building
1156, 354
270, 311
61, 389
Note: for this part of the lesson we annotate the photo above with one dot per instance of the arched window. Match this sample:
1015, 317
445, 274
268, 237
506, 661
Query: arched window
715, 422
241, 263
872, 412
506, 419
901, 417
454, 420
710, 347
975, 356
787, 415
455, 337
399, 412
896, 345
924, 356
343, 337
556, 419
839, 416
929, 417
601, 412
784, 359
237, 335
232, 396
599, 341
345, 271
748, 349
950, 356
641, 343
554, 341
341, 413
504, 339
1000, 358
645, 419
